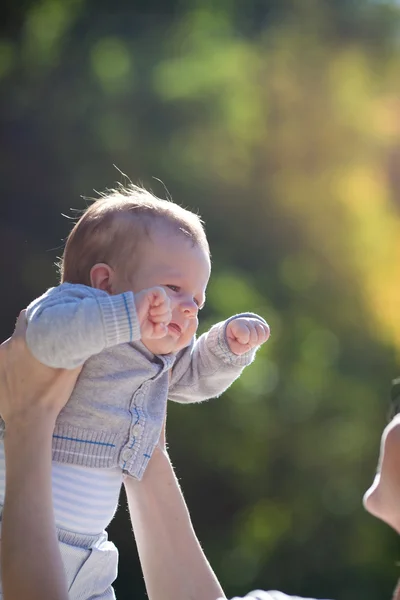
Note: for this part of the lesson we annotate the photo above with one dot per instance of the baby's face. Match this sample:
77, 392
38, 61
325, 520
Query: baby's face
182, 269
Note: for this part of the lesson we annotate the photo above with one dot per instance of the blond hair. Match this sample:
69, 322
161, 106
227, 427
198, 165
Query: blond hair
111, 228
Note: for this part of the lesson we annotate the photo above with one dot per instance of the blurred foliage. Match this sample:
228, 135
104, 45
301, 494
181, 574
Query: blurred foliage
280, 122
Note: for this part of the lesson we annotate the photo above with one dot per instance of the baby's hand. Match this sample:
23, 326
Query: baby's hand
246, 333
153, 308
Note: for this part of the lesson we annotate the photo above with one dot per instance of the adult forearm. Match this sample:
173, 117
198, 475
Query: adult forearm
31, 564
174, 565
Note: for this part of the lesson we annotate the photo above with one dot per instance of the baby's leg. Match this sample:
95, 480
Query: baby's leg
383, 498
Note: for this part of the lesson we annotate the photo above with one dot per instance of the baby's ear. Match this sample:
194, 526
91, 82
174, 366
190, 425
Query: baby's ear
101, 277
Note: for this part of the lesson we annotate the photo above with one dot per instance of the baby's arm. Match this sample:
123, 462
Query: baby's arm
208, 367
70, 323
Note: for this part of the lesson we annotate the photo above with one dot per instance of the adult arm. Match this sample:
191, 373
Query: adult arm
31, 563
173, 562
31, 396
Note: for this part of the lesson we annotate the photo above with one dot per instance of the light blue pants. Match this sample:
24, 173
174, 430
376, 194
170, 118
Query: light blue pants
90, 563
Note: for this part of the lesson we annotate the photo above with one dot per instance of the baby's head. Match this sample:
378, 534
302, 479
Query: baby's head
131, 240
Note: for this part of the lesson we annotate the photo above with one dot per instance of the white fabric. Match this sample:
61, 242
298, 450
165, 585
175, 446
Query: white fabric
84, 499
90, 572
272, 595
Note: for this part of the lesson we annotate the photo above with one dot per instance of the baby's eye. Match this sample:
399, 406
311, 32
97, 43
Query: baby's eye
174, 288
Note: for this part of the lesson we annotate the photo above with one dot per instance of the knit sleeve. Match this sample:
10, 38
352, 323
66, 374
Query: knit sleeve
208, 367
70, 323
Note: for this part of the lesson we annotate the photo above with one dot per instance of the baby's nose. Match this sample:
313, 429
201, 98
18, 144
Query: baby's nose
189, 307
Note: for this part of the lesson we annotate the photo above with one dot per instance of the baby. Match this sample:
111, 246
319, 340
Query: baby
134, 276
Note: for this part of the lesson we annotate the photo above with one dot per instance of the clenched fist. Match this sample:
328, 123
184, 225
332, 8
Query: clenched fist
153, 308
245, 333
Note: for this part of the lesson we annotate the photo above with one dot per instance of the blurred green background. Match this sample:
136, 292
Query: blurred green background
279, 120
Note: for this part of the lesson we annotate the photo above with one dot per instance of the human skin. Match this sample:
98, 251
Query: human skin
172, 560
177, 271
31, 396
382, 498
170, 286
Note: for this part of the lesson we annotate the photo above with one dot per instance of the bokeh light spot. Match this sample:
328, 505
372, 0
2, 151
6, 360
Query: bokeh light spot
112, 63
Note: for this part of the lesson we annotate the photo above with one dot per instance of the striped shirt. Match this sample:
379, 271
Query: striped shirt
85, 499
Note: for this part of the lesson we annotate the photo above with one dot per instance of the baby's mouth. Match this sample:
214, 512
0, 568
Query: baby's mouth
174, 328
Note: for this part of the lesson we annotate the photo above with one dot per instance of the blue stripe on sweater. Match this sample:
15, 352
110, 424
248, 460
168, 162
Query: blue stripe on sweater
129, 317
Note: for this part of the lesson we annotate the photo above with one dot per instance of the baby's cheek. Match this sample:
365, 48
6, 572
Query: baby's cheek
190, 332
193, 326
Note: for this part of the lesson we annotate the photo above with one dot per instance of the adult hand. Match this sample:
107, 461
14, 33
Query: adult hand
27, 387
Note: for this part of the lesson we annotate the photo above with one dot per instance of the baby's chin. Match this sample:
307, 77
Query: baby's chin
165, 345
